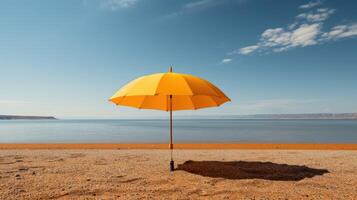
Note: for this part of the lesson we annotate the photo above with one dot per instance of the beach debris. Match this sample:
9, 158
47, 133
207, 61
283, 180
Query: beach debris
19, 190
18, 176
76, 155
100, 162
23, 168
56, 160
131, 180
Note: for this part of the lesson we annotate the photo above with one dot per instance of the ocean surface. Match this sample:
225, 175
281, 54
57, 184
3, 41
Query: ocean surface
185, 130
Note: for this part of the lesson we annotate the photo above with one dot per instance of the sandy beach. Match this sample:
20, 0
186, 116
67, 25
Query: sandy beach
200, 174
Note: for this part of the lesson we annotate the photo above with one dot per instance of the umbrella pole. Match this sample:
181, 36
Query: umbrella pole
172, 165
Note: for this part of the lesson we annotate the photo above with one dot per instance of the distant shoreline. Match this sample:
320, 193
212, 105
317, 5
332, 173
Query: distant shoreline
262, 146
302, 116
21, 117
305, 116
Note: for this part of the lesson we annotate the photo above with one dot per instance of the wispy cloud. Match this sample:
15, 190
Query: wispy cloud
319, 15
311, 4
200, 5
246, 50
277, 106
280, 39
226, 60
306, 30
340, 31
117, 4
205, 4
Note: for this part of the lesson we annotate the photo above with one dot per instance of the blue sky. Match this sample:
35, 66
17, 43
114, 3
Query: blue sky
66, 58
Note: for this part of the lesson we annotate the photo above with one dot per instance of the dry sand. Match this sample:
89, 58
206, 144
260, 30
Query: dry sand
212, 174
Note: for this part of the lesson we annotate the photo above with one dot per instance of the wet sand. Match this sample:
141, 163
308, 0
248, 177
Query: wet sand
200, 174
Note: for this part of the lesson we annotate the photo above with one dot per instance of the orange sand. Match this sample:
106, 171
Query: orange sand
200, 174
184, 146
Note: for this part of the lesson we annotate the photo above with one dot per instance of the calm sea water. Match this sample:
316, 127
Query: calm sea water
192, 130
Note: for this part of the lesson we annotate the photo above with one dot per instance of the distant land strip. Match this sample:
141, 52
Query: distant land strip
279, 116
302, 116
352, 116
265, 146
13, 117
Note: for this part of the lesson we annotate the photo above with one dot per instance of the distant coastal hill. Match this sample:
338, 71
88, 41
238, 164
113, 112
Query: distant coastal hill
297, 116
11, 117
278, 116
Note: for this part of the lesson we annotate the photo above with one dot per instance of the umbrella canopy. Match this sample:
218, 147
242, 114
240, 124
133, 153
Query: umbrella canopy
169, 92
153, 92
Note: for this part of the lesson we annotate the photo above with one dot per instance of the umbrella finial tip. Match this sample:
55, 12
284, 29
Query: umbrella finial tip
170, 69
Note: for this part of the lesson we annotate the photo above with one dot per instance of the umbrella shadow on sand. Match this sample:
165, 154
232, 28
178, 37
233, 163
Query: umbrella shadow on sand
250, 170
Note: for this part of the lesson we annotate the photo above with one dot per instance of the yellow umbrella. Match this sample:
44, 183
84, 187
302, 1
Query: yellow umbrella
169, 92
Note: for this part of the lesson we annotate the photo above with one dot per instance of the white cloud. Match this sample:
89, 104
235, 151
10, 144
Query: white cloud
226, 60
200, 4
305, 35
340, 31
117, 4
306, 30
275, 37
248, 49
320, 15
279, 39
293, 25
311, 4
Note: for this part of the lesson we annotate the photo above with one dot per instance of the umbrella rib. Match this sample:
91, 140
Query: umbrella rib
193, 104
188, 85
121, 100
210, 85
213, 100
167, 103
157, 87
140, 106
